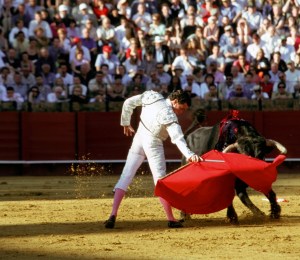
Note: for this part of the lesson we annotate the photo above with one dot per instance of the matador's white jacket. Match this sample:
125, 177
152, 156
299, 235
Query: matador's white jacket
157, 118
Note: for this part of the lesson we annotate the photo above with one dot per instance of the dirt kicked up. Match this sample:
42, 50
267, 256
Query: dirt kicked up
62, 218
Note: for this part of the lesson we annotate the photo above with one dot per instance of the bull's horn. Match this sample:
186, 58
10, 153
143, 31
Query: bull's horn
230, 148
277, 145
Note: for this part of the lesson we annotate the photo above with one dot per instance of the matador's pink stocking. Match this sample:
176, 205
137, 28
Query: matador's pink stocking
167, 209
119, 195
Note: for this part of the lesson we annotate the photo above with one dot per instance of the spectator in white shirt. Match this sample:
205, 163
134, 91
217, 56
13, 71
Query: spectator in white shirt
64, 75
58, 95
11, 96
39, 22
142, 19
292, 77
287, 51
19, 27
253, 17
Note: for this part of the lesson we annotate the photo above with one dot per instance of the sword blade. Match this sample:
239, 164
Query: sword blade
211, 160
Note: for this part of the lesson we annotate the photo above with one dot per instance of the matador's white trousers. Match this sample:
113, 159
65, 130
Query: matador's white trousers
144, 145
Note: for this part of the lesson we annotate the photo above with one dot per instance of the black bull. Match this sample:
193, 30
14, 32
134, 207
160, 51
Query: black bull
242, 136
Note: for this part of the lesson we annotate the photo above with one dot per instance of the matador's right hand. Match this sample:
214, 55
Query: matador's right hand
128, 130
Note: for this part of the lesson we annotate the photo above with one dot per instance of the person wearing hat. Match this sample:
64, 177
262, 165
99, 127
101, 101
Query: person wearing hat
258, 93
77, 44
178, 72
62, 18
84, 15
160, 51
78, 7
108, 58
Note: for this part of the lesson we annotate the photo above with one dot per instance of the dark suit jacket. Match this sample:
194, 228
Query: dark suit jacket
167, 56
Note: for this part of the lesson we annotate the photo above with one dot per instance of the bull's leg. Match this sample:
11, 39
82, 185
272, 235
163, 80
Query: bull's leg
241, 191
184, 216
231, 215
275, 207
243, 196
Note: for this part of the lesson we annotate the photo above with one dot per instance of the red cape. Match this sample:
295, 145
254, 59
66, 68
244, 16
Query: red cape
206, 187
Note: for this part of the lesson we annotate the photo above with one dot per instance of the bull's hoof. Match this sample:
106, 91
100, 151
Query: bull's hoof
232, 217
184, 216
275, 212
259, 213
233, 220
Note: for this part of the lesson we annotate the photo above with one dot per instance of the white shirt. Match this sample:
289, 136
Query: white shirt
254, 20
52, 98
291, 79
252, 50
184, 64
200, 90
67, 79
34, 24
145, 21
2, 92
158, 120
14, 31
287, 52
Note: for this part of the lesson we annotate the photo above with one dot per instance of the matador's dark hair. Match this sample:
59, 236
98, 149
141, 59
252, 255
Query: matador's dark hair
182, 97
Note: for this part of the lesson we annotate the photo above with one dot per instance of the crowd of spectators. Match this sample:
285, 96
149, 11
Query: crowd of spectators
89, 51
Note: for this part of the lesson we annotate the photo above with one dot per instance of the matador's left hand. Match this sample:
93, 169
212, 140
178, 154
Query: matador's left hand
195, 158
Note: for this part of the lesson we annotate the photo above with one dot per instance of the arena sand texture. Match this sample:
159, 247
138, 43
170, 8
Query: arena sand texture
62, 218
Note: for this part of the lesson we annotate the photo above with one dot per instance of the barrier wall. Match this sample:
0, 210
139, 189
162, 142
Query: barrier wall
99, 136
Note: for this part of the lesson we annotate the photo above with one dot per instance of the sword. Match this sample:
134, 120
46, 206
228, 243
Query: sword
211, 160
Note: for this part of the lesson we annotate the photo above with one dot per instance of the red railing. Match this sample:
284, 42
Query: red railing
99, 136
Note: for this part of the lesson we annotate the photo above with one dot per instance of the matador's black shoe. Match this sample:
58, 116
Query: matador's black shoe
175, 224
110, 223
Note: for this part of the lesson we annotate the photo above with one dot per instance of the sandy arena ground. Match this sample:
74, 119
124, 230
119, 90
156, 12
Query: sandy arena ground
62, 218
